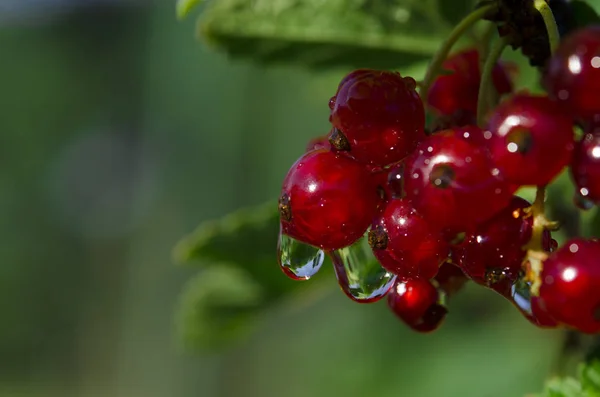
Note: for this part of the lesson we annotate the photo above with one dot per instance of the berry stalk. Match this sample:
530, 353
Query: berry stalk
486, 78
550, 22
444, 51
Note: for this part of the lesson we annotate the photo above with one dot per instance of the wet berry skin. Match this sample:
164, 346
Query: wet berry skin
570, 289
453, 183
585, 167
492, 255
404, 242
458, 91
327, 200
539, 316
572, 75
416, 302
379, 116
532, 139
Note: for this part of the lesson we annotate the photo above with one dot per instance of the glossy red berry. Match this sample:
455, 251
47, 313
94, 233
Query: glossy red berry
492, 255
417, 303
530, 306
570, 289
585, 167
532, 139
327, 201
450, 278
404, 242
573, 74
378, 116
539, 316
458, 90
320, 142
453, 182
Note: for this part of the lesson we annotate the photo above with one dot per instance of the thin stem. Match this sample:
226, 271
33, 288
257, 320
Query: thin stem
551, 26
444, 50
535, 248
486, 78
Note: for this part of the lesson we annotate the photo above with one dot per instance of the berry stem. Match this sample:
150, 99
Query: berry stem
486, 78
535, 248
551, 26
443, 52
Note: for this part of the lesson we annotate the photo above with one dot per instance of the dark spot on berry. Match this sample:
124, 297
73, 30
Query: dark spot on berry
339, 141
285, 210
442, 176
378, 238
381, 192
495, 275
410, 83
519, 140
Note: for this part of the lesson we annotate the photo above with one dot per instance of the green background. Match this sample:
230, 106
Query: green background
120, 133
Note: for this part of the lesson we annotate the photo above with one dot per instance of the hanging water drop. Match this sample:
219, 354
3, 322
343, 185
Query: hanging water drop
298, 261
582, 202
359, 274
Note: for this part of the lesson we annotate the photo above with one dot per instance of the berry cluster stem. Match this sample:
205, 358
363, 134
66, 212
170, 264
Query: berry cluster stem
487, 83
441, 55
535, 248
551, 26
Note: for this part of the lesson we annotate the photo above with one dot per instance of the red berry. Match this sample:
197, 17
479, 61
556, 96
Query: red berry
394, 184
327, 200
492, 254
532, 139
459, 90
573, 74
416, 302
453, 183
378, 115
320, 142
539, 316
585, 167
404, 242
570, 289
450, 278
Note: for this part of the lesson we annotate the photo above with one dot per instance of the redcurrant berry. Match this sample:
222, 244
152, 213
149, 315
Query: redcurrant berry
573, 74
327, 201
404, 242
458, 90
570, 289
453, 183
585, 167
492, 254
378, 117
417, 303
532, 139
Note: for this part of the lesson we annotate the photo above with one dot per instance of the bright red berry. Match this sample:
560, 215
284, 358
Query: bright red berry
570, 289
532, 139
327, 200
458, 90
573, 74
453, 182
492, 255
585, 167
404, 242
378, 116
417, 303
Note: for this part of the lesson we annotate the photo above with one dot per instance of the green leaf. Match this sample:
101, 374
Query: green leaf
183, 7
589, 374
320, 33
585, 13
562, 387
218, 306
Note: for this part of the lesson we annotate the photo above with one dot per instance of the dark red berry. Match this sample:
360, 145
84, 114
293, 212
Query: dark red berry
320, 142
404, 242
573, 74
585, 167
458, 90
450, 278
539, 316
453, 183
532, 139
327, 200
459, 118
378, 115
492, 255
570, 289
417, 303
395, 181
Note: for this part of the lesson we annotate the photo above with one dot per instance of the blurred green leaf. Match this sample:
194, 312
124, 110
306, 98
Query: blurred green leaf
218, 306
319, 33
183, 7
584, 12
562, 387
589, 373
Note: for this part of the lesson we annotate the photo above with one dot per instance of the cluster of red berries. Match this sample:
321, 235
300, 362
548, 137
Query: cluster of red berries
438, 207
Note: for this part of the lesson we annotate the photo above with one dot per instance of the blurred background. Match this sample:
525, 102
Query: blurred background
120, 134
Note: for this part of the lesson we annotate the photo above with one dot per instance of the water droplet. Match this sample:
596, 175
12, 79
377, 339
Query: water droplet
298, 261
521, 296
582, 202
359, 273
